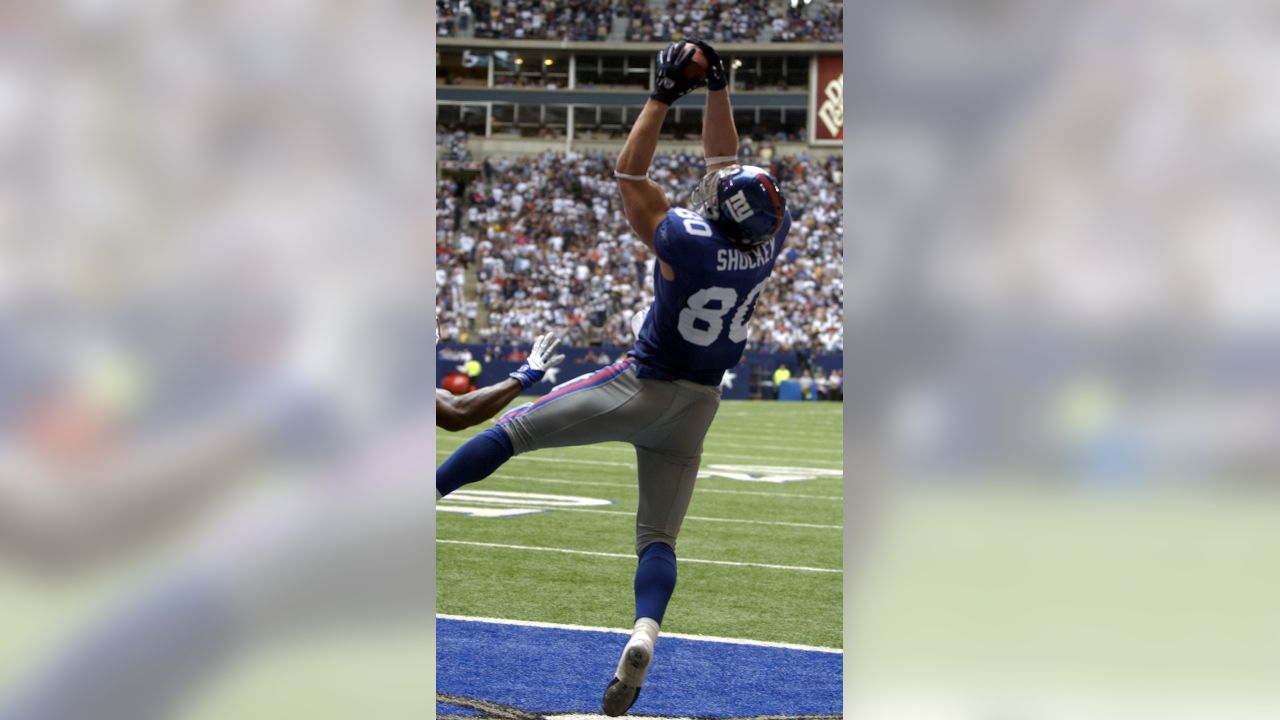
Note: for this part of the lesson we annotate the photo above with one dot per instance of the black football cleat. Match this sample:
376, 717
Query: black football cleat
625, 686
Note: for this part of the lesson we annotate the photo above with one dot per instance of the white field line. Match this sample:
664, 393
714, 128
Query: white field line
620, 631
774, 426
720, 442
778, 523
752, 417
631, 556
568, 461
612, 463
697, 490
737, 417
728, 433
834, 445
740, 438
803, 450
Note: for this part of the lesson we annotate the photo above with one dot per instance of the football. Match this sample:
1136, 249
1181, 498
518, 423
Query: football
456, 383
698, 66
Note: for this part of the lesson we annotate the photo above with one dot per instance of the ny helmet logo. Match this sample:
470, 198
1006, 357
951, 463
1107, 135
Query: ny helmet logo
738, 206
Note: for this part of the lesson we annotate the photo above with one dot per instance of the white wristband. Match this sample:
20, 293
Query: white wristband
722, 159
624, 176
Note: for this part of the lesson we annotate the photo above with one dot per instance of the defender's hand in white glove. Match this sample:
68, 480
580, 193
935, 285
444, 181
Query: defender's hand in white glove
539, 361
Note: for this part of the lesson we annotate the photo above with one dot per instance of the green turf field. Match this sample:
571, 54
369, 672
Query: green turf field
792, 527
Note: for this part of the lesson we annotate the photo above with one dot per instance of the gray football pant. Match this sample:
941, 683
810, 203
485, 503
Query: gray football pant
666, 421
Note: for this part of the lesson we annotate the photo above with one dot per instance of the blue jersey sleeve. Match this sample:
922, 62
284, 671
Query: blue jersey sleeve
673, 241
780, 239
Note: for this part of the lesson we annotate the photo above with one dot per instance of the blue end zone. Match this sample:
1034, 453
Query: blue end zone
552, 670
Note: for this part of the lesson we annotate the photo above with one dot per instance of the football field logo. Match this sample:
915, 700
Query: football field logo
500, 504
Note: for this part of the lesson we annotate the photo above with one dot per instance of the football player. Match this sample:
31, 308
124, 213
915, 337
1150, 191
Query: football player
714, 258
457, 412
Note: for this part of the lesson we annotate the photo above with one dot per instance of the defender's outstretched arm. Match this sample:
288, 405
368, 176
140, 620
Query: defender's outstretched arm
458, 412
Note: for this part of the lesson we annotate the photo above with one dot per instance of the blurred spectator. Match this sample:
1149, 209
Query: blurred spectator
752, 21
835, 385
781, 375
544, 243
803, 354
453, 146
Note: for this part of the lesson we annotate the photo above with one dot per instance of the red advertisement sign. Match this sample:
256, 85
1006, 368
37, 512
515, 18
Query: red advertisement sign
826, 101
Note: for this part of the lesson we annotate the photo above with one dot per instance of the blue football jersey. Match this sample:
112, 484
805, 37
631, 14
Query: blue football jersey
697, 326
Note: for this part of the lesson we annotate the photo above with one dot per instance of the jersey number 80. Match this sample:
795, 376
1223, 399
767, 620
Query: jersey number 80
702, 319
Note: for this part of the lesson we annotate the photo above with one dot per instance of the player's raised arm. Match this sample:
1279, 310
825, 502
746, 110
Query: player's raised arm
719, 135
642, 200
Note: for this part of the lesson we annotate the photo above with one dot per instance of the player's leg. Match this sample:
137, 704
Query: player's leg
665, 493
667, 466
599, 407
476, 460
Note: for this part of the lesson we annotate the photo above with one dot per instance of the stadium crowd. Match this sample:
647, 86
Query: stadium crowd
585, 20
550, 248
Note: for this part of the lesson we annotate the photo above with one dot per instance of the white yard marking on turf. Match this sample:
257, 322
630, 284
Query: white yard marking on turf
712, 441
734, 431
778, 523
604, 463
620, 631
753, 446
631, 485
714, 444
508, 497
489, 512
631, 556
776, 474
608, 449
824, 428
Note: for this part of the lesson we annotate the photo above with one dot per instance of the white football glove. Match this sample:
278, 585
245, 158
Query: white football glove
539, 361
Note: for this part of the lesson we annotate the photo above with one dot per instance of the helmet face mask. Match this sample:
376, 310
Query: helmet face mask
743, 201
705, 200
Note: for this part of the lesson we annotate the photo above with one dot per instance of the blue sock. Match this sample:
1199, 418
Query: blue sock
476, 460
655, 580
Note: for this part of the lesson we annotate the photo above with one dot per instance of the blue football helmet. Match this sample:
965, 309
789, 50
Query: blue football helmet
743, 201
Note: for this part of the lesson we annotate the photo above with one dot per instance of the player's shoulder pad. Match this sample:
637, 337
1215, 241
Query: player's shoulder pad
672, 220
667, 239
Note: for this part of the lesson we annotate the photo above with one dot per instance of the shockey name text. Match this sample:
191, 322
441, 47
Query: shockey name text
729, 259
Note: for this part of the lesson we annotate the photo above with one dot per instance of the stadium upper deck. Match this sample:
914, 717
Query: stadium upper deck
637, 20
581, 73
